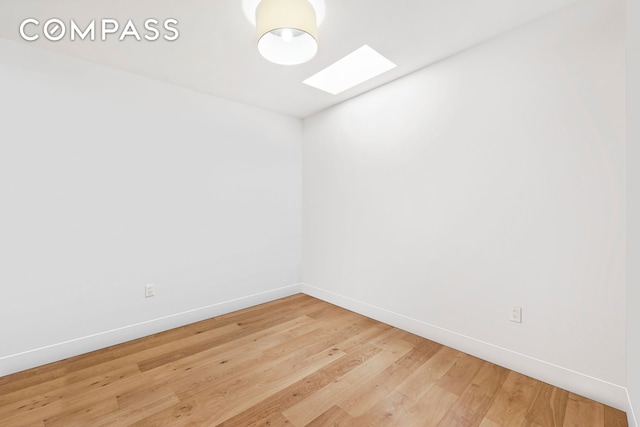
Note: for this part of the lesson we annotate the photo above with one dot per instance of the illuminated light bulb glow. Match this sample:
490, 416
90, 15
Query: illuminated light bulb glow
287, 35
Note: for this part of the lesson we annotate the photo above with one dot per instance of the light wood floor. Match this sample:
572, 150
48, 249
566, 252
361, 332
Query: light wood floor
295, 362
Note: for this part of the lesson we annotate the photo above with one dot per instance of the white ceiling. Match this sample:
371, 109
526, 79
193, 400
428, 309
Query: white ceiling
216, 51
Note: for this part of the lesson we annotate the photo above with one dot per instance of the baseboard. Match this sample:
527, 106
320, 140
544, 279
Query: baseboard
585, 385
631, 415
52, 353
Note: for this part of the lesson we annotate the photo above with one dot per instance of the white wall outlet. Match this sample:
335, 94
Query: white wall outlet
148, 290
515, 314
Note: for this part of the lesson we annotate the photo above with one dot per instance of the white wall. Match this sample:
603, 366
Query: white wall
110, 181
492, 179
633, 211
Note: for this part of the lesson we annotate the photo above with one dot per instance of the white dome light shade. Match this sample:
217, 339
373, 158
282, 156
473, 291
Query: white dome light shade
287, 31
249, 7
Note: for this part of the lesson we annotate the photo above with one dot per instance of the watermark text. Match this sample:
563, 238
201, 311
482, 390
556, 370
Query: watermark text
55, 29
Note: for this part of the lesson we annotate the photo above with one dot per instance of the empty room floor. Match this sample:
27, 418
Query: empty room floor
297, 361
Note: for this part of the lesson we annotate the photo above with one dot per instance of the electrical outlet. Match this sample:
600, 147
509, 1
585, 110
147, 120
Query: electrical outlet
148, 291
515, 315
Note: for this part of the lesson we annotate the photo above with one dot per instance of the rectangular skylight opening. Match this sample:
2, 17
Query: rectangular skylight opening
359, 66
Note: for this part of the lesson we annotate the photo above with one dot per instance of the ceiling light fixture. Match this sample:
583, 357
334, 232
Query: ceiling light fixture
287, 29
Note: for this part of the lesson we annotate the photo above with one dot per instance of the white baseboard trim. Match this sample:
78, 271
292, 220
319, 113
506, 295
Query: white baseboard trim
41, 356
631, 415
585, 385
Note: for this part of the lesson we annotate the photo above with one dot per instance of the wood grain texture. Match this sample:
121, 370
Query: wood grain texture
293, 362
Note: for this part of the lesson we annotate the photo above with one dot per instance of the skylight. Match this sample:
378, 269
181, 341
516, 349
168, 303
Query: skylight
359, 66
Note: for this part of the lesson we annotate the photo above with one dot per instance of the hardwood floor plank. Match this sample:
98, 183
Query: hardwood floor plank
203, 369
51, 384
548, 407
22, 420
219, 403
333, 417
83, 414
614, 417
86, 406
188, 350
392, 337
36, 376
198, 374
62, 380
244, 367
81, 396
184, 347
144, 408
293, 362
513, 399
289, 308
349, 342
300, 390
430, 409
343, 387
373, 390
273, 420
422, 351
51, 401
486, 422
460, 374
583, 412
426, 375
388, 412
475, 401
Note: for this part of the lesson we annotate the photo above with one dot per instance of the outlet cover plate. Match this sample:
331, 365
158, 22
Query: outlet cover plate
515, 314
148, 290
